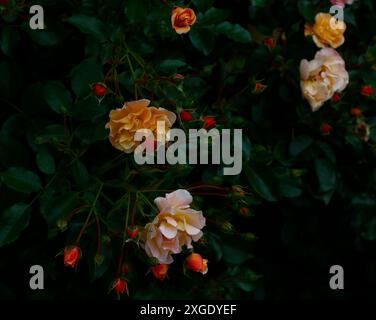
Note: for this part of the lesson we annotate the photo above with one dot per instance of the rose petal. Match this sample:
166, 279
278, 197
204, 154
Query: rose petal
168, 230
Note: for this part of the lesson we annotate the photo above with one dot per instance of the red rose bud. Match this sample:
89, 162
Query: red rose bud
196, 263
270, 43
71, 256
99, 90
326, 128
259, 87
209, 122
120, 286
179, 76
132, 233
356, 112
244, 211
363, 131
367, 91
186, 116
4, 2
336, 98
160, 271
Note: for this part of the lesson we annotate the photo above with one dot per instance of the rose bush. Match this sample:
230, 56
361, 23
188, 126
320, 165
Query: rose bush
74, 201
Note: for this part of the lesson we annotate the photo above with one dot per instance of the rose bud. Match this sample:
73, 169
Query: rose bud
71, 256
99, 89
244, 211
326, 128
186, 116
270, 43
4, 2
363, 131
367, 91
120, 286
182, 19
336, 98
356, 112
209, 122
259, 87
160, 271
132, 233
196, 263
179, 76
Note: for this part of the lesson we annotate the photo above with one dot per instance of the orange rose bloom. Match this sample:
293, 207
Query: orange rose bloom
182, 19
134, 116
325, 33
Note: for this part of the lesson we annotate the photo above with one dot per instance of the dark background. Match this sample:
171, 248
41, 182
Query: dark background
311, 197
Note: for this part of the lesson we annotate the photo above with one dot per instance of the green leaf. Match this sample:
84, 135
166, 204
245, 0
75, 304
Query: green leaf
44, 37
80, 173
300, 144
326, 175
45, 161
203, 5
326, 196
261, 3
259, 185
202, 39
105, 259
215, 244
12, 222
9, 39
290, 188
87, 73
88, 109
234, 32
364, 201
53, 133
327, 151
89, 25
212, 16
57, 97
136, 10
59, 207
307, 9
21, 180
171, 65
233, 255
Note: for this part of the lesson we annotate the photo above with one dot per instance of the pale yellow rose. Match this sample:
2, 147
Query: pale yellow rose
322, 77
176, 225
133, 116
327, 31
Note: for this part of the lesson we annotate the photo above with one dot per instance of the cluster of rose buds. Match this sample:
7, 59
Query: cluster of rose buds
193, 262
208, 122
